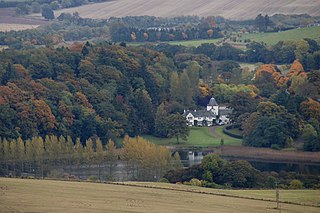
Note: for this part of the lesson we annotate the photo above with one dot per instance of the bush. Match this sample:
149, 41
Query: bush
56, 173
212, 185
92, 178
295, 184
231, 134
163, 180
275, 147
194, 182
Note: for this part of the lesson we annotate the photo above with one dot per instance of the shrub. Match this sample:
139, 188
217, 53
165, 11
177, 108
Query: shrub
56, 173
295, 184
212, 185
163, 180
92, 178
195, 182
275, 147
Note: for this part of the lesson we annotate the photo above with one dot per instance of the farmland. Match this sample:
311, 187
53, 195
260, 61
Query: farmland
232, 9
57, 196
295, 34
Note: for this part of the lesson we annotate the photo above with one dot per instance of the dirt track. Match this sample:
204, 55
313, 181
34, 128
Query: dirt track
234, 9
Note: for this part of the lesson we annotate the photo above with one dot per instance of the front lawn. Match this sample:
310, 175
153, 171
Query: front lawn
198, 136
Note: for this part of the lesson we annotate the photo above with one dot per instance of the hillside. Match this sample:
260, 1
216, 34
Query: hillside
233, 9
57, 196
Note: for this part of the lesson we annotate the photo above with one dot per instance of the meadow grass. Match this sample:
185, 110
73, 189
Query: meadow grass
23, 195
295, 34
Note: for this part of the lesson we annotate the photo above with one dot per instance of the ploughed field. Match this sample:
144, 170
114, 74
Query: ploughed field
234, 9
25, 195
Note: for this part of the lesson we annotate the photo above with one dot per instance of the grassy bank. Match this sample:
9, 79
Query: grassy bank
20, 195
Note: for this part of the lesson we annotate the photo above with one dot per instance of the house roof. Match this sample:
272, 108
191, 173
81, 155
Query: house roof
200, 113
212, 102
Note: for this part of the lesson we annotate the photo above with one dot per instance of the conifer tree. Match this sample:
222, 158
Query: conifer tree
39, 153
111, 156
100, 155
78, 154
21, 152
89, 152
13, 155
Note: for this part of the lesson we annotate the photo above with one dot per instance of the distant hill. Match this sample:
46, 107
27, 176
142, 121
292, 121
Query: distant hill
232, 9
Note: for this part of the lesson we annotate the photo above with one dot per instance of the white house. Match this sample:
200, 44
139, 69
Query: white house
214, 114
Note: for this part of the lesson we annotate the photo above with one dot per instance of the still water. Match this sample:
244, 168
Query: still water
190, 158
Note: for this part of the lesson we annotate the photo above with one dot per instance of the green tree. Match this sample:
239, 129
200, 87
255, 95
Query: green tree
47, 12
174, 86
185, 91
161, 121
178, 127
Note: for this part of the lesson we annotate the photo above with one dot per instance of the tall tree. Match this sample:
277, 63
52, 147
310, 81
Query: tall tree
89, 152
47, 12
178, 127
100, 156
111, 157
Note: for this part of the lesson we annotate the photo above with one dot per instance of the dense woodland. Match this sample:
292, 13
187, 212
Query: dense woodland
63, 106
109, 90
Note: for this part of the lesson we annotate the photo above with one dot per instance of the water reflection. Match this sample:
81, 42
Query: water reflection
190, 158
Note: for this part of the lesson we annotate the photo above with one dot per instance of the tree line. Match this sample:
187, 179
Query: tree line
215, 172
37, 157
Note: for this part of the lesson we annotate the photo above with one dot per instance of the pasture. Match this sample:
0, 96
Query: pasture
240, 9
22, 195
295, 34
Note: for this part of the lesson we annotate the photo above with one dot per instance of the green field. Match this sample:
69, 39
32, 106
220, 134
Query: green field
21, 195
295, 34
191, 43
268, 38
198, 136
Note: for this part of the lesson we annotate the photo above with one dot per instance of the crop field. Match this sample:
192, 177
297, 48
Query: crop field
198, 136
234, 9
21, 195
295, 34
16, 27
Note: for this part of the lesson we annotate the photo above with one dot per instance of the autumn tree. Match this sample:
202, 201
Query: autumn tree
78, 155
89, 152
99, 155
111, 157
39, 150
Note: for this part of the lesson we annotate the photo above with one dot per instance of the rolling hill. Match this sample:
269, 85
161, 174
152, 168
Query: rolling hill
233, 9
